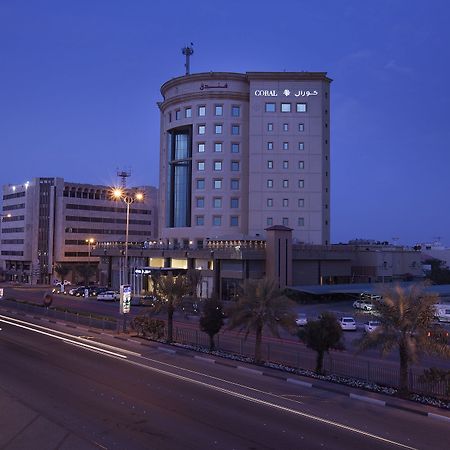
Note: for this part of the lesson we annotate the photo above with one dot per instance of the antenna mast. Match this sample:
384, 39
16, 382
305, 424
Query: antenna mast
188, 51
123, 175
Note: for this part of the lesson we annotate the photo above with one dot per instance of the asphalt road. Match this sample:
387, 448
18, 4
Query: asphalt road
65, 391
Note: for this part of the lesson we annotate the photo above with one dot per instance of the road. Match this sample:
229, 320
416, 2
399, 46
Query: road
65, 391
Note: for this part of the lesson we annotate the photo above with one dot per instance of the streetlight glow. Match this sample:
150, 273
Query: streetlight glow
139, 196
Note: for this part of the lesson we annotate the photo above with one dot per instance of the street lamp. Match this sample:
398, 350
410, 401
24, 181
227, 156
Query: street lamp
89, 242
128, 197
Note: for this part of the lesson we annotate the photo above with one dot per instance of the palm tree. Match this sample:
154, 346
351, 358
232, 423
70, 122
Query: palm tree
170, 290
211, 320
62, 270
406, 317
261, 305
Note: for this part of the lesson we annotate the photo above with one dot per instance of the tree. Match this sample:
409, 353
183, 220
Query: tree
261, 305
406, 317
86, 271
440, 273
211, 320
194, 277
62, 270
170, 291
322, 335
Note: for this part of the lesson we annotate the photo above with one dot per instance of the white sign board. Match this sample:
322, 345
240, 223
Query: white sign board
125, 298
1, 292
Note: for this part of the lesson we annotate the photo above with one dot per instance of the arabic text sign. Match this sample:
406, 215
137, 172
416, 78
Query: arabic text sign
285, 92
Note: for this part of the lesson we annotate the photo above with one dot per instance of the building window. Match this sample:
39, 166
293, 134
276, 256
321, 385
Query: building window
218, 128
270, 126
285, 145
200, 202
301, 222
218, 110
301, 165
270, 164
200, 165
201, 147
270, 107
235, 111
270, 183
235, 166
234, 202
285, 164
285, 221
269, 221
285, 127
217, 147
234, 148
301, 202
202, 111
217, 165
285, 107
200, 183
285, 202
234, 221
217, 202
177, 114
301, 146
170, 117
217, 221
217, 183
285, 184
301, 107
234, 184
301, 184
188, 112
235, 130
200, 220
270, 146
201, 129
301, 127
269, 202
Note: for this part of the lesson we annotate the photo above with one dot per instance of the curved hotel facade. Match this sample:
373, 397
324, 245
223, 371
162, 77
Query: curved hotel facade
241, 153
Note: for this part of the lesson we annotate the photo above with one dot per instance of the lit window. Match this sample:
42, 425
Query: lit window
202, 111
234, 221
285, 107
201, 147
285, 202
218, 110
217, 202
235, 166
270, 146
201, 129
218, 147
301, 184
301, 107
200, 202
234, 148
200, 220
301, 164
301, 202
270, 126
301, 127
201, 165
218, 128
285, 164
285, 145
301, 222
270, 107
188, 112
269, 221
270, 164
270, 183
269, 202
200, 183
217, 183
235, 111
217, 165
285, 221
301, 146
177, 114
234, 184
235, 130
234, 202
285, 183
285, 127
217, 221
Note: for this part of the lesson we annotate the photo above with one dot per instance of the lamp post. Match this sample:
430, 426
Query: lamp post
89, 242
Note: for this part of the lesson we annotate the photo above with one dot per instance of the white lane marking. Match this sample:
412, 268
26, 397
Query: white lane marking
63, 339
93, 349
11, 321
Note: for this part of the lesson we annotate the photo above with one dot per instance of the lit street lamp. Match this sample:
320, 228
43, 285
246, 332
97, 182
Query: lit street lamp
89, 242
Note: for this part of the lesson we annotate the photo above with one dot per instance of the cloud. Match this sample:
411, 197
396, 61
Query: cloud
393, 66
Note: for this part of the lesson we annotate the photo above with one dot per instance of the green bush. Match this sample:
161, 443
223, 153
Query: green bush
148, 327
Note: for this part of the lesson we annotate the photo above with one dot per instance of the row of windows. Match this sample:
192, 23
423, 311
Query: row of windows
218, 166
285, 145
13, 207
77, 254
87, 231
219, 111
12, 253
218, 129
102, 195
286, 107
12, 241
301, 127
218, 147
13, 218
13, 230
216, 202
285, 165
76, 242
284, 183
217, 221
107, 220
285, 202
15, 195
285, 221
217, 183
115, 209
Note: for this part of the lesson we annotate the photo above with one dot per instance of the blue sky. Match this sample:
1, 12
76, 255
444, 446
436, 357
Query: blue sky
79, 82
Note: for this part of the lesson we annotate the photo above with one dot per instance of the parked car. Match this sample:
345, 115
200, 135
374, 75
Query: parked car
365, 305
442, 312
347, 323
371, 326
111, 296
94, 291
78, 291
301, 319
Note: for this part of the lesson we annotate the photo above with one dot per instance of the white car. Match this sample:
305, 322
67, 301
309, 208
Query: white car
371, 326
301, 319
347, 323
365, 305
111, 296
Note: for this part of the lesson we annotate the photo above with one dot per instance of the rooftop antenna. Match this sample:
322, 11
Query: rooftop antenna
123, 175
187, 51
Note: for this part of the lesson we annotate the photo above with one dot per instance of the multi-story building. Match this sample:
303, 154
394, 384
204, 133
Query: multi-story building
49, 221
241, 152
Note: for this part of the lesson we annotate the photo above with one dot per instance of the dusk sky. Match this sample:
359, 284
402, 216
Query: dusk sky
79, 82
